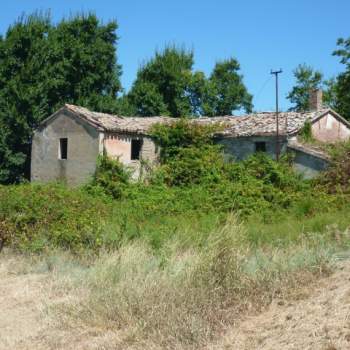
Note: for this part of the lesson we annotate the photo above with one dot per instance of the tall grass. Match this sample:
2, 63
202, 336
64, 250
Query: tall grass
182, 298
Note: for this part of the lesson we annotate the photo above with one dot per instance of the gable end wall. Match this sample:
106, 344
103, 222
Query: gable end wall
330, 129
84, 145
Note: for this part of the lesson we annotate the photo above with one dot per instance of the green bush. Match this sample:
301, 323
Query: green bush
189, 194
306, 132
35, 217
111, 177
192, 165
182, 134
337, 176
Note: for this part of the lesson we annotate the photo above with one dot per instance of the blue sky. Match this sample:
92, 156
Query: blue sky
261, 34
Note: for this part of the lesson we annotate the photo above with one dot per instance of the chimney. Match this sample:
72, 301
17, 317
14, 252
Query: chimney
315, 100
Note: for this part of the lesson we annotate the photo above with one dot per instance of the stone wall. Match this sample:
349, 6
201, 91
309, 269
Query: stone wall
84, 145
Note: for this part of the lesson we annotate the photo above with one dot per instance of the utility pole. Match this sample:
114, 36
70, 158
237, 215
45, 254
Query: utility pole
275, 73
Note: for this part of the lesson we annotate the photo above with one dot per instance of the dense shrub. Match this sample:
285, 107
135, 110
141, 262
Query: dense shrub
182, 134
189, 194
34, 217
111, 177
305, 133
337, 176
191, 166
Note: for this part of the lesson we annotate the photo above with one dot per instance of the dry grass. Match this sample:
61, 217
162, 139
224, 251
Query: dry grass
183, 299
175, 298
44, 307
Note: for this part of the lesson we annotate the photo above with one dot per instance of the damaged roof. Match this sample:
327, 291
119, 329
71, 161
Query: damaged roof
115, 123
264, 124
255, 124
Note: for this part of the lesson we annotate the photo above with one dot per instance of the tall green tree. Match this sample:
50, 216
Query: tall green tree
43, 66
342, 84
168, 85
163, 84
307, 79
226, 91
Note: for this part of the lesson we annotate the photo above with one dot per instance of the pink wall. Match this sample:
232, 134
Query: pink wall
330, 129
118, 146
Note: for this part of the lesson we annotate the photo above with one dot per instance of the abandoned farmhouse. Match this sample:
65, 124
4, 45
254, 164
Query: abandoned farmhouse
66, 145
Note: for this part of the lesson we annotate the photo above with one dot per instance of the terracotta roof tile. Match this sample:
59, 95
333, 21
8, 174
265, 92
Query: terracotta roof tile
110, 122
256, 124
263, 124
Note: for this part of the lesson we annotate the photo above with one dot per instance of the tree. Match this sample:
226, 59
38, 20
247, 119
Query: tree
307, 79
43, 66
146, 100
168, 85
330, 93
342, 84
163, 84
226, 91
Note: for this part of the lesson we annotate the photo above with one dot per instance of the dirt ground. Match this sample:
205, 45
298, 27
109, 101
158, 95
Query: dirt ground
321, 320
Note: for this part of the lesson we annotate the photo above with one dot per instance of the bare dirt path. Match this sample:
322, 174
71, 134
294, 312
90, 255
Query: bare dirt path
320, 321
21, 315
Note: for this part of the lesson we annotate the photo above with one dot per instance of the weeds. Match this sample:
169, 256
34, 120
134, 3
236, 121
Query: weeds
182, 298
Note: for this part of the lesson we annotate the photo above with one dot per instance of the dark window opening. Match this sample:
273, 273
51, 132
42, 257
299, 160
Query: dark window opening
136, 149
63, 151
260, 146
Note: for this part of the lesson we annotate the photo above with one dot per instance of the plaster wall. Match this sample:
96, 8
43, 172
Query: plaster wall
84, 145
242, 147
308, 165
119, 146
330, 129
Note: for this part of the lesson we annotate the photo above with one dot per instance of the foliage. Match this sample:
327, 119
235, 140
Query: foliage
189, 166
43, 66
110, 176
342, 84
182, 134
146, 100
330, 93
162, 84
38, 217
167, 85
307, 79
306, 132
337, 176
226, 91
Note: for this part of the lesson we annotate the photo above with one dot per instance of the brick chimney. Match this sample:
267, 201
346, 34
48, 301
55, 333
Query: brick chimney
315, 100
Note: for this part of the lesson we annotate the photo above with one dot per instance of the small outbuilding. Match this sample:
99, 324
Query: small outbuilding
66, 145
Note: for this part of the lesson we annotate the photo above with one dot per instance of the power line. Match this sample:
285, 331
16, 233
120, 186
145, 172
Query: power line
263, 86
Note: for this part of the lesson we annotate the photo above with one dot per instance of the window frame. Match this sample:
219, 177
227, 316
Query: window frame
260, 146
136, 147
63, 148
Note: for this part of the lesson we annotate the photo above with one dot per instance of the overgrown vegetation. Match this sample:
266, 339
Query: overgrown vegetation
305, 133
191, 247
337, 178
183, 298
189, 194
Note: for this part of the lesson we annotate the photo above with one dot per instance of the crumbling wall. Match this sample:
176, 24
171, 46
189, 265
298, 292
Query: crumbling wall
118, 145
